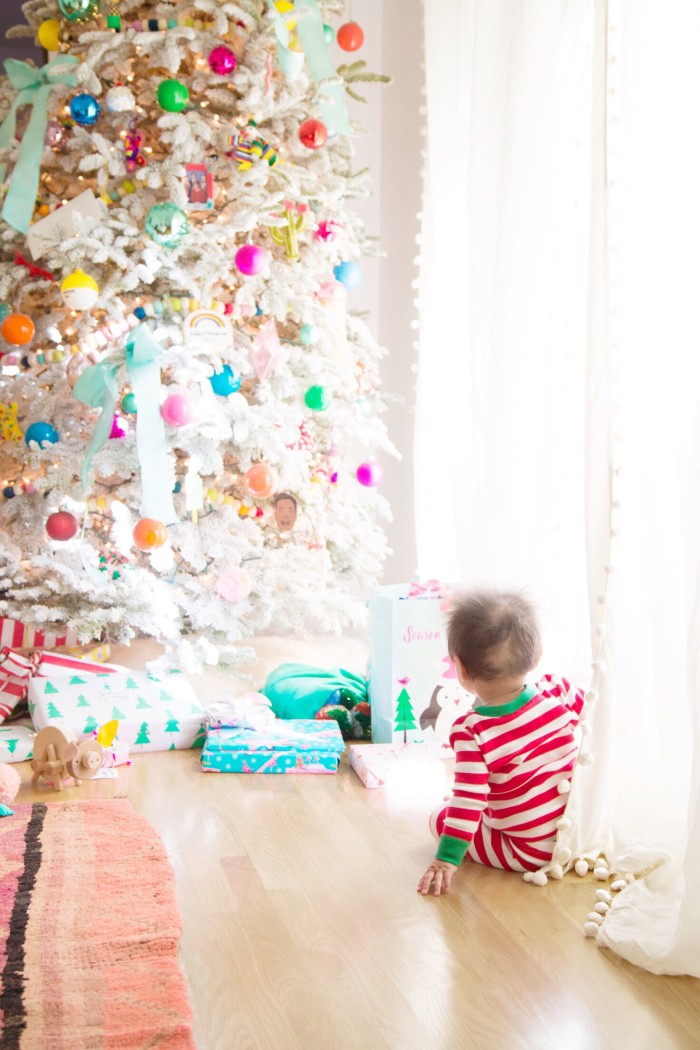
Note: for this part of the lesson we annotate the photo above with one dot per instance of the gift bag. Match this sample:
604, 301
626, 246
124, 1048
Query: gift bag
414, 692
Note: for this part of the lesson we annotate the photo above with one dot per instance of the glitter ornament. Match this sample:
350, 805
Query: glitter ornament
61, 526
120, 99
222, 61
56, 135
79, 10
17, 329
49, 34
260, 480
79, 291
173, 96
350, 37
167, 225
43, 433
176, 410
369, 474
313, 134
250, 259
225, 382
233, 585
84, 109
149, 534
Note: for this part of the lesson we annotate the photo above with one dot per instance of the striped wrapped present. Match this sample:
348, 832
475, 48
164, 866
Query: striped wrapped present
17, 670
18, 635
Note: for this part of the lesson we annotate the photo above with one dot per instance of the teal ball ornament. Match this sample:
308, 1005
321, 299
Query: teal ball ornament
79, 10
84, 109
308, 334
129, 404
317, 398
43, 433
348, 273
173, 95
167, 225
225, 382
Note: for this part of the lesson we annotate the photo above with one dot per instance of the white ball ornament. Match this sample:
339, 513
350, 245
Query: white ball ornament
539, 878
120, 99
79, 291
590, 929
581, 867
602, 908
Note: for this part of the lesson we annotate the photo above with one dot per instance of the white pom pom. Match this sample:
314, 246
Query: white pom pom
603, 895
602, 874
585, 728
629, 878
564, 823
586, 758
602, 908
562, 854
600, 666
120, 99
617, 885
556, 871
593, 916
581, 867
590, 929
539, 878
528, 876
564, 787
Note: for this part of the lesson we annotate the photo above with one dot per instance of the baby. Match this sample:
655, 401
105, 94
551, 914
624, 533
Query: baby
515, 749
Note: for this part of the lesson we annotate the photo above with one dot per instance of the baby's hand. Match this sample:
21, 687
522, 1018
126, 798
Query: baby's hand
438, 876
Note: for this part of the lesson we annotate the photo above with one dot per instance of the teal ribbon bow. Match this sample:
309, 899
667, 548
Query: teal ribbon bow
142, 352
33, 88
97, 387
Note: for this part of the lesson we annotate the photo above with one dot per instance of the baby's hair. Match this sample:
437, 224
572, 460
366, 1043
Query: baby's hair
494, 634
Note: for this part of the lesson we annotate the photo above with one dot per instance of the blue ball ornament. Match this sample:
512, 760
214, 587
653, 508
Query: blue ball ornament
84, 109
167, 225
43, 433
8, 492
348, 273
225, 382
308, 334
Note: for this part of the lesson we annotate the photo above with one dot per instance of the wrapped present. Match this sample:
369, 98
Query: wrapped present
287, 746
18, 635
16, 743
384, 765
17, 669
155, 713
414, 692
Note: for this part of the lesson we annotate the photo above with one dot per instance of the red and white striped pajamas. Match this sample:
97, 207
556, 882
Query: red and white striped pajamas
511, 761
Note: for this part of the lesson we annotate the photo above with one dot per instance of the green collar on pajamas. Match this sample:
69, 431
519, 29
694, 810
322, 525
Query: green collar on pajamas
507, 709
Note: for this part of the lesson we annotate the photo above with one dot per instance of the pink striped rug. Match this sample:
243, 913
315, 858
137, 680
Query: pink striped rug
89, 929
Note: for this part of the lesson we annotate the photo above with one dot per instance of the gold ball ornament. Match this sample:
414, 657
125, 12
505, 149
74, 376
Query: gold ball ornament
49, 34
80, 291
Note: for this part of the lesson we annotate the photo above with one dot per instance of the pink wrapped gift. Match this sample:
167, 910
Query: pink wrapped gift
377, 765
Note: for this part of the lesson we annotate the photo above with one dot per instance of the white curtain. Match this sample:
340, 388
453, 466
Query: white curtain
558, 407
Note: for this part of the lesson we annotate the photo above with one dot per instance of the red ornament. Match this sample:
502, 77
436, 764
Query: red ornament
61, 525
350, 36
313, 133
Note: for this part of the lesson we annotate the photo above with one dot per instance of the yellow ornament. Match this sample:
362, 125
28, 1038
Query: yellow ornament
49, 34
79, 291
9, 427
284, 6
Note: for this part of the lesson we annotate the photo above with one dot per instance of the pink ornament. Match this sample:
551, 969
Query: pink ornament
326, 231
176, 410
61, 526
251, 259
313, 133
222, 61
369, 474
119, 428
233, 585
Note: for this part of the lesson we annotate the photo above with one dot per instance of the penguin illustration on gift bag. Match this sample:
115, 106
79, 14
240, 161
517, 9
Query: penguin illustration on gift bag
448, 702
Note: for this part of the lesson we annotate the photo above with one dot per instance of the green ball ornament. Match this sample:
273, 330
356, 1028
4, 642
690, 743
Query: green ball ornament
328, 34
317, 398
79, 10
129, 404
167, 225
173, 95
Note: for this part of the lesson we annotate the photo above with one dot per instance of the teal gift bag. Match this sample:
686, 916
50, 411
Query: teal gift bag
300, 691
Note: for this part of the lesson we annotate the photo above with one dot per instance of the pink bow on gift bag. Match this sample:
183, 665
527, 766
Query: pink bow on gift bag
431, 589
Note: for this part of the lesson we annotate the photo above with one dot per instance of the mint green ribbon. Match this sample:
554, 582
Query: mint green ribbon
97, 387
142, 352
33, 88
291, 62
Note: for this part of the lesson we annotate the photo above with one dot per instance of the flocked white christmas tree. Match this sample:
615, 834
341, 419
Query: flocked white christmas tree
185, 386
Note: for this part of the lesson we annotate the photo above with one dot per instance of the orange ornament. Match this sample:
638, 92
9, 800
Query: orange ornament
260, 480
350, 36
17, 329
149, 534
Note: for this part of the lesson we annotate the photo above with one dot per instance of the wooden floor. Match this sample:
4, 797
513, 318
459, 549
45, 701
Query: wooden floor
303, 928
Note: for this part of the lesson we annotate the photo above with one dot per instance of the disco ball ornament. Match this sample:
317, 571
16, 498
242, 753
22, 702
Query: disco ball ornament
173, 96
350, 37
250, 259
120, 99
56, 135
222, 61
17, 329
349, 274
369, 474
84, 109
167, 225
49, 34
225, 382
79, 10
260, 480
313, 133
79, 291
233, 585
149, 534
43, 433
61, 526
